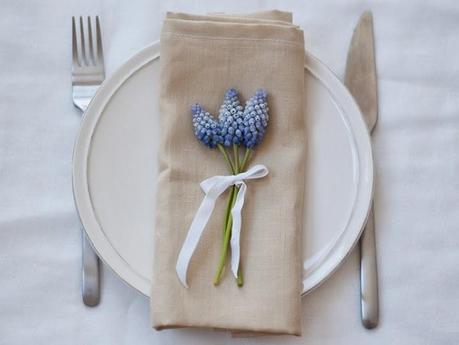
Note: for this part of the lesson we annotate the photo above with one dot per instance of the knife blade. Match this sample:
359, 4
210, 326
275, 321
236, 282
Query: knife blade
360, 79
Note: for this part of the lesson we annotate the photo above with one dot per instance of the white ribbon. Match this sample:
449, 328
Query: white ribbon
213, 187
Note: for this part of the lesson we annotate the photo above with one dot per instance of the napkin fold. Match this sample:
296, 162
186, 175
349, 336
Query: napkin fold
202, 57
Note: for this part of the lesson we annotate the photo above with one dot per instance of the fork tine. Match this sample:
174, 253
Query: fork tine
100, 52
84, 60
91, 56
74, 44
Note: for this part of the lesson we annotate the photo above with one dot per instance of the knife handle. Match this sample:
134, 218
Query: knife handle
369, 275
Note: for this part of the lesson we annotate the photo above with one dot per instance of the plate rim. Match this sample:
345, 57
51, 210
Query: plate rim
89, 123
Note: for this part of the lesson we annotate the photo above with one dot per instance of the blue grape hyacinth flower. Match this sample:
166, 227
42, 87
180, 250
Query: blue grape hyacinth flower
255, 118
231, 118
236, 126
206, 128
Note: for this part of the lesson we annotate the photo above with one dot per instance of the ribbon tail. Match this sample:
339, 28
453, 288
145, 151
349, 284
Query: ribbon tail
194, 234
236, 229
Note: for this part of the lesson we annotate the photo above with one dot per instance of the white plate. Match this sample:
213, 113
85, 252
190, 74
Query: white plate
115, 168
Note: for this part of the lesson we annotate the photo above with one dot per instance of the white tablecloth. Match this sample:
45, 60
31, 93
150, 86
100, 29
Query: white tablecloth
416, 148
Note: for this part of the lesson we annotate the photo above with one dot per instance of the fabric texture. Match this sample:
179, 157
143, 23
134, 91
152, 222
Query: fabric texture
202, 57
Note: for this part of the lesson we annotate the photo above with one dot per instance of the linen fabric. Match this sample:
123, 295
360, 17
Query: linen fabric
201, 57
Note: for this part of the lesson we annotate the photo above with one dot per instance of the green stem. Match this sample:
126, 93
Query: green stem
236, 158
228, 208
236, 168
233, 188
227, 158
239, 280
226, 237
228, 220
248, 153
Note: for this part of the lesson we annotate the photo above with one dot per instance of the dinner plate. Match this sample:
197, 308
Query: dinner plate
115, 170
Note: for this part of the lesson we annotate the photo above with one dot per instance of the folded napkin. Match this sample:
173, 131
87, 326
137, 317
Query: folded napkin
202, 57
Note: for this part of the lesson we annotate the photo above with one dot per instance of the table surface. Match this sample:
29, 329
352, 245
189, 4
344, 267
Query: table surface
416, 149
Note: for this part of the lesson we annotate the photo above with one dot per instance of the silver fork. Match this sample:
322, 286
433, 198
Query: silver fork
87, 74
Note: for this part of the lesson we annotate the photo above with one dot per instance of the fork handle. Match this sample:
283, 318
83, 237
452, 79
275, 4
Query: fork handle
369, 275
90, 273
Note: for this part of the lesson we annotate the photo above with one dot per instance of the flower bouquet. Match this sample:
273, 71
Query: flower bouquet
236, 127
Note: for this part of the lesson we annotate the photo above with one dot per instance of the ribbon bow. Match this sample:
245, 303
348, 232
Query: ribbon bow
213, 187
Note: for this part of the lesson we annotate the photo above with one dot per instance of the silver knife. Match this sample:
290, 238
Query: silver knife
360, 79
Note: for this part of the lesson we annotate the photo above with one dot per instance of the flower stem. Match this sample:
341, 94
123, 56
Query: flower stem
226, 236
233, 188
236, 168
247, 155
228, 220
236, 158
240, 279
228, 208
227, 158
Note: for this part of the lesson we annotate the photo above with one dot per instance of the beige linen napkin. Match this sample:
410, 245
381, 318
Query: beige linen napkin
202, 57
